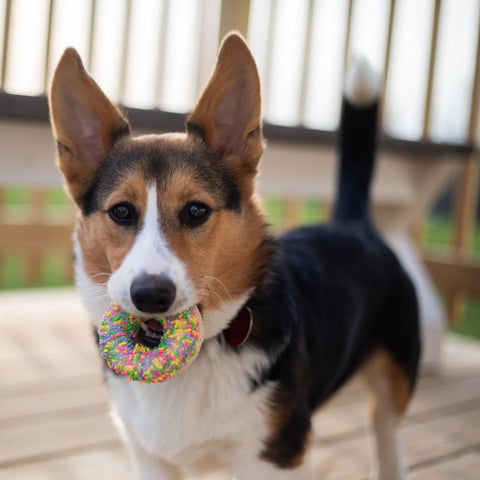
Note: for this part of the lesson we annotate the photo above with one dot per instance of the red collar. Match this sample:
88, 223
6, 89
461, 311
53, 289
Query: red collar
238, 330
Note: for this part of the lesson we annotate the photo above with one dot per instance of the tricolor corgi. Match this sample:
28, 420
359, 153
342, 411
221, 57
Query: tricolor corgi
287, 320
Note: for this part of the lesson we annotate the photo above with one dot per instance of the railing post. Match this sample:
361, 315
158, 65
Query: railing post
207, 42
234, 15
161, 53
91, 34
466, 193
306, 62
6, 38
51, 9
386, 62
431, 68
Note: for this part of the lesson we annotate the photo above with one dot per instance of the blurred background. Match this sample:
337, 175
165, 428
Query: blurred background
153, 57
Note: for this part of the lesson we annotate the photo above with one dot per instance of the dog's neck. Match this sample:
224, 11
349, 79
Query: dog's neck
217, 320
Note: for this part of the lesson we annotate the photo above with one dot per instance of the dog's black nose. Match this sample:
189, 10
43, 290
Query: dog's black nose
153, 293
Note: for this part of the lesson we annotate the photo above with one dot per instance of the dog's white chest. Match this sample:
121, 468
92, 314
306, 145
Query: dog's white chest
211, 402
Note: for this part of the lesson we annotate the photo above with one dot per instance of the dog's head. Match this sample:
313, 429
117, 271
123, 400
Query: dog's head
166, 221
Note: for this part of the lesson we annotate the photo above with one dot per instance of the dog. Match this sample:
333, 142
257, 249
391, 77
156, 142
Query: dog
287, 320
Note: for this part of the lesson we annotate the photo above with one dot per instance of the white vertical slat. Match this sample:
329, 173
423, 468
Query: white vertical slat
454, 72
145, 41
283, 97
26, 51
124, 53
161, 50
207, 41
69, 26
368, 36
408, 71
107, 45
180, 60
324, 88
260, 39
306, 62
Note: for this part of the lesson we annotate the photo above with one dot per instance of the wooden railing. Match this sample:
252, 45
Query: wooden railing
455, 272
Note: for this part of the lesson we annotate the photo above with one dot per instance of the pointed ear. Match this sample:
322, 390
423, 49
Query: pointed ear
85, 123
228, 113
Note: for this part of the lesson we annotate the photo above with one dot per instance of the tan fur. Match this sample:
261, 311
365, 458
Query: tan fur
382, 365
104, 243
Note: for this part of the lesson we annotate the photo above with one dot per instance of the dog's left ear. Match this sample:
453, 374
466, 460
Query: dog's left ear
85, 123
228, 113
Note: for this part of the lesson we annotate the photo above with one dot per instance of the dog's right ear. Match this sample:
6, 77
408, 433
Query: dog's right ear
228, 113
85, 123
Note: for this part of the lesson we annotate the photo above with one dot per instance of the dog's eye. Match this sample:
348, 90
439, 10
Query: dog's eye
123, 214
194, 214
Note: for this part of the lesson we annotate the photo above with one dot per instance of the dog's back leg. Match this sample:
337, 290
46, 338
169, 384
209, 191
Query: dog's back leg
390, 391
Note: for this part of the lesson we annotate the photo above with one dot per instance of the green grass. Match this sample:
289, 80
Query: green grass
439, 235
469, 324
13, 273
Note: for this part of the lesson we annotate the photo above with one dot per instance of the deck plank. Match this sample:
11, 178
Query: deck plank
102, 463
54, 405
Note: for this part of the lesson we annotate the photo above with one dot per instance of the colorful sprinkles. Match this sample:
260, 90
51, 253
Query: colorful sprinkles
119, 347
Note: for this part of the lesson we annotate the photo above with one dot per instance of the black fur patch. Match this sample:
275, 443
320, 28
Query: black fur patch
332, 295
158, 162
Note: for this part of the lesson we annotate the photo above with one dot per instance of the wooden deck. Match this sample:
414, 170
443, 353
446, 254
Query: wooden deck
54, 420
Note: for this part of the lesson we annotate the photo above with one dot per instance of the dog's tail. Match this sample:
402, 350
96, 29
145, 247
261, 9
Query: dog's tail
357, 142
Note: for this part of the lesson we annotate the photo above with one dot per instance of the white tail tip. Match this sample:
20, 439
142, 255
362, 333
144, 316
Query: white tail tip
362, 82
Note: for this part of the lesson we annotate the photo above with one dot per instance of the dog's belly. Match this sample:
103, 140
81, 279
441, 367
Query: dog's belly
200, 416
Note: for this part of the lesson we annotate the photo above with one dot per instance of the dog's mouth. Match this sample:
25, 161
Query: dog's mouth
150, 333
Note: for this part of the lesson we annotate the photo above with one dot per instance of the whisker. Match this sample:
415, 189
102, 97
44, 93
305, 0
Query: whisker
218, 297
108, 275
220, 282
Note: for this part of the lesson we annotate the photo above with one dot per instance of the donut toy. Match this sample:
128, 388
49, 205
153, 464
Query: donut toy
168, 347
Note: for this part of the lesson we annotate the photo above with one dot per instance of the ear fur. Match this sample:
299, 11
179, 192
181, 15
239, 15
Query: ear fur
85, 123
228, 112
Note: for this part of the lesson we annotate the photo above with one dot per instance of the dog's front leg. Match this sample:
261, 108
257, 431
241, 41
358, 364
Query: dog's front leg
147, 466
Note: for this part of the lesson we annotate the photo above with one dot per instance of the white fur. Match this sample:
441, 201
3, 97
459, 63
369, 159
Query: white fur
362, 83
150, 254
204, 418
386, 421
94, 296
215, 321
